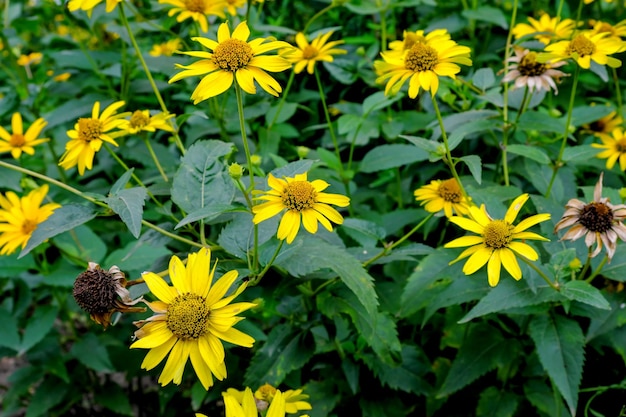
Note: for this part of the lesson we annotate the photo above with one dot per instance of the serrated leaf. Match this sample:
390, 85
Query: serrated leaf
38, 326
453, 292
128, 204
391, 156
82, 243
585, 293
427, 145
532, 152
496, 403
121, 182
49, 394
365, 232
135, 257
63, 219
237, 237
408, 375
475, 166
560, 346
90, 352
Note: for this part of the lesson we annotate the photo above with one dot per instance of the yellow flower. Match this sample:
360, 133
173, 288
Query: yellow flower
234, 57
165, 49
443, 195
18, 141
233, 5
198, 10
605, 124
614, 146
617, 30
19, 217
61, 78
411, 38
32, 58
527, 72
191, 319
294, 399
247, 406
88, 135
141, 121
306, 55
583, 48
303, 202
422, 65
546, 28
89, 5
496, 244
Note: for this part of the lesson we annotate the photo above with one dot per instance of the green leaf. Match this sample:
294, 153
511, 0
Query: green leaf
468, 128
391, 156
487, 14
90, 352
113, 398
451, 292
585, 293
484, 78
293, 168
63, 219
560, 346
8, 329
532, 152
38, 326
582, 115
365, 232
121, 182
377, 101
134, 257
208, 213
286, 111
202, 178
496, 403
237, 237
582, 153
128, 204
81, 242
534, 120
49, 394
475, 166
408, 375
430, 146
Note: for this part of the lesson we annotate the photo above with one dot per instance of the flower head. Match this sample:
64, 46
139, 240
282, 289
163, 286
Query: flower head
232, 6
617, 30
89, 5
422, 65
306, 54
443, 195
198, 10
20, 216
239, 404
191, 319
141, 121
233, 57
614, 146
18, 141
88, 135
166, 48
101, 293
546, 29
527, 72
604, 125
294, 399
496, 243
599, 221
585, 47
411, 38
302, 202
31, 59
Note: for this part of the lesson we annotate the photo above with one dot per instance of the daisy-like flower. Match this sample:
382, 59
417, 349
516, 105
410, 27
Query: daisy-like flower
605, 124
443, 195
191, 319
584, 47
89, 5
527, 72
306, 54
18, 141
245, 405
617, 30
102, 293
294, 399
20, 216
198, 10
233, 57
614, 146
496, 244
33, 58
166, 48
546, 28
411, 38
141, 121
600, 222
233, 5
422, 65
302, 201
88, 135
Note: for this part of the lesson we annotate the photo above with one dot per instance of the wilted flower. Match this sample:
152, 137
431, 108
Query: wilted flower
527, 72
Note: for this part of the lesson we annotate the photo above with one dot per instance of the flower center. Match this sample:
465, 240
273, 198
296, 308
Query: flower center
17, 140
266, 392
309, 52
195, 5
95, 291
497, 234
620, 145
299, 196
421, 57
89, 129
581, 45
450, 191
139, 120
596, 217
232, 54
529, 66
28, 226
188, 316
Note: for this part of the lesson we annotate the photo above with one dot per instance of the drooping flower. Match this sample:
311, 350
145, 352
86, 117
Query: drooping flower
599, 221
306, 54
302, 202
234, 58
18, 141
20, 216
422, 65
546, 29
585, 47
497, 243
102, 293
89, 5
527, 72
141, 121
166, 48
198, 10
294, 399
443, 195
247, 406
614, 146
88, 135
191, 319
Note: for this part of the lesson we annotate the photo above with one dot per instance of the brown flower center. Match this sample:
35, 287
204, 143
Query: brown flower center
266, 392
596, 217
309, 52
187, 316
28, 226
581, 45
139, 120
450, 191
95, 291
421, 57
620, 145
528, 66
197, 6
299, 196
232, 54
17, 140
89, 129
498, 234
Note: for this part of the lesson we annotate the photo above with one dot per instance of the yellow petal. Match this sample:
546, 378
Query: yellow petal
477, 260
515, 208
510, 263
159, 287
493, 268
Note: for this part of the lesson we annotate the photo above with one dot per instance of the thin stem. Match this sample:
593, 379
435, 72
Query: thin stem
597, 271
283, 98
257, 279
155, 159
554, 285
587, 264
383, 30
174, 236
317, 15
618, 92
330, 123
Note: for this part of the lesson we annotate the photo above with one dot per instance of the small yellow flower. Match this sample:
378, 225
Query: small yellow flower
496, 243
294, 399
33, 58
198, 10
233, 58
443, 195
411, 38
141, 121
61, 78
19, 217
88, 135
605, 124
165, 49
546, 28
302, 202
18, 141
306, 54
584, 47
89, 5
614, 146
617, 30
233, 5
244, 405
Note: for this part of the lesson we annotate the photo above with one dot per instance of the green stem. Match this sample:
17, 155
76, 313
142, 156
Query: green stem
587, 264
174, 236
383, 30
317, 15
597, 271
618, 92
257, 279
283, 98
554, 285
329, 123
155, 159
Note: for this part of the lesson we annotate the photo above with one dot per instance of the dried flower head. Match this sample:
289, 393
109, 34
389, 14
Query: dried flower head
527, 72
